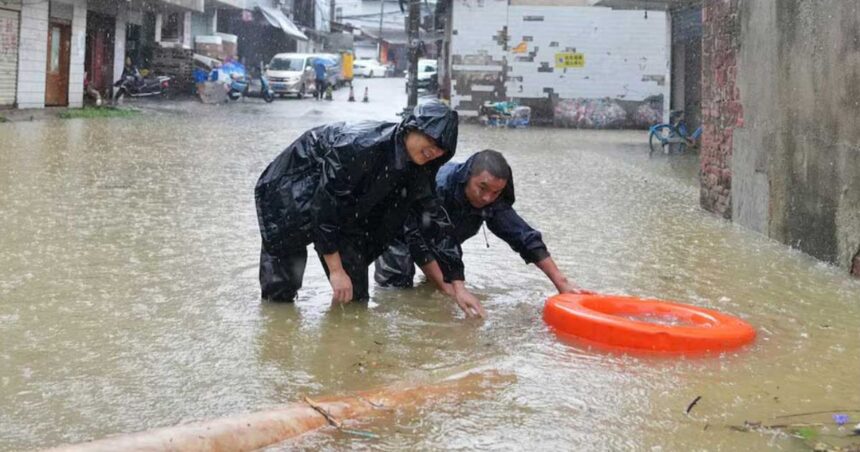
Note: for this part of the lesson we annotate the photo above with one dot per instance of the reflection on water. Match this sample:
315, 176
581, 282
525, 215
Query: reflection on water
130, 299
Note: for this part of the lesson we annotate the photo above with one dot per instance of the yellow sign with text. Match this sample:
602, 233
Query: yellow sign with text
564, 60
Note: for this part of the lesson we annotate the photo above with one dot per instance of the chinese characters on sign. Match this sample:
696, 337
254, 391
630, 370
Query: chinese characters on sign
564, 60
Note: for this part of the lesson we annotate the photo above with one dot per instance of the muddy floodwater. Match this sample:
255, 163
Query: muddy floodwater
129, 296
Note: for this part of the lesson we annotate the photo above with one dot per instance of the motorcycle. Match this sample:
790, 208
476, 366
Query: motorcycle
244, 86
134, 85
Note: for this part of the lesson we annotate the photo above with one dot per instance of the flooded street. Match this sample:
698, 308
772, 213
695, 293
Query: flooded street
129, 296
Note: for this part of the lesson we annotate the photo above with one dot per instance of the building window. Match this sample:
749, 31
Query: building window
55, 50
171, 27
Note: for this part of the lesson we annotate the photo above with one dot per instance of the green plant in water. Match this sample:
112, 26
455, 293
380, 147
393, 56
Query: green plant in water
98, 112
807, 433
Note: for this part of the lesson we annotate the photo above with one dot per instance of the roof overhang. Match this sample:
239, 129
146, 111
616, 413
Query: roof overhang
232, 4
188, 5
279, 20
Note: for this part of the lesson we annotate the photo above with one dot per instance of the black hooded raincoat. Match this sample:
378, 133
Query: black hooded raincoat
348, 188
396, 267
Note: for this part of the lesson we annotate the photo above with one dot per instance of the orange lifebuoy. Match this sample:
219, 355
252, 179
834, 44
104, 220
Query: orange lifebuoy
604, 319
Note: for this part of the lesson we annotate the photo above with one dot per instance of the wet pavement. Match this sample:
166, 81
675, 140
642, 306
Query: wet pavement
129, 296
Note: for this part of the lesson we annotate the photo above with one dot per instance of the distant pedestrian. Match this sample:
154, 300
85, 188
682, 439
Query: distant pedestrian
319, 78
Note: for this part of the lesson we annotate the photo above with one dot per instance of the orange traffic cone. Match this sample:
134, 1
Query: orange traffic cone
366, 99
351, 95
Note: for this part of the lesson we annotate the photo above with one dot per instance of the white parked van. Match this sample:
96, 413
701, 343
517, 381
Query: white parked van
291, 73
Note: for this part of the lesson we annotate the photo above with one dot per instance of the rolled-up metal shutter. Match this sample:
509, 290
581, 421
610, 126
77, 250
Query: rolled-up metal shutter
8, 56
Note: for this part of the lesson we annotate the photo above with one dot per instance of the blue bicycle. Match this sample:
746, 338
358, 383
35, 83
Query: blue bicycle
665, 136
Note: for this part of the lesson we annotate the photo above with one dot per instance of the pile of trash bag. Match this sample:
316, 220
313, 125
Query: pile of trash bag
505, 114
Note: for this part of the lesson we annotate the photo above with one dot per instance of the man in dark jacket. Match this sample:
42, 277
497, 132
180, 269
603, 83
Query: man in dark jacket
348, 188
479, 190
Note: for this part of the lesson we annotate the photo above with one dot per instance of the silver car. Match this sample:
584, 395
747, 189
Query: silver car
291, 74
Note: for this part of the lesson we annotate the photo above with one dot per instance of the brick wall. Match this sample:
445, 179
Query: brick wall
722, 111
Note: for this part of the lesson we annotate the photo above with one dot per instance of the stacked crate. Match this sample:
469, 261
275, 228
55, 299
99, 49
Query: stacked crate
176, 62
210, 46
229, 45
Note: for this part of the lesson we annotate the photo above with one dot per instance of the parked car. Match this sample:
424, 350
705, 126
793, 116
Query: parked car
426, 79
291, 74
369, 68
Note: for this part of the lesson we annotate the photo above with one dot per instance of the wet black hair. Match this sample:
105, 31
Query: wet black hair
492, 162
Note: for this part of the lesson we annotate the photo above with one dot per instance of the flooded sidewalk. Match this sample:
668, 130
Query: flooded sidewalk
129, 296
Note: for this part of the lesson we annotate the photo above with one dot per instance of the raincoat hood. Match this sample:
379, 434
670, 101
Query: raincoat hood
439, 122
462, 173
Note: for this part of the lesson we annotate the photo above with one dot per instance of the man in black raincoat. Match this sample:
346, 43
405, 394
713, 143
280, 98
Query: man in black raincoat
348, 188
479, 190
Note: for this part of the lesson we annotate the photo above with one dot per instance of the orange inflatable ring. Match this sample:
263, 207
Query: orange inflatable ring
601, 319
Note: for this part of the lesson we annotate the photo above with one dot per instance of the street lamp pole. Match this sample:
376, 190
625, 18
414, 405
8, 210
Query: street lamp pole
414, 22
379, 37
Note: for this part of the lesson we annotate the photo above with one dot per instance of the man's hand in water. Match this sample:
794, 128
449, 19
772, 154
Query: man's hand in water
434, 273
466, 301
547, 265
568, 287
341, 287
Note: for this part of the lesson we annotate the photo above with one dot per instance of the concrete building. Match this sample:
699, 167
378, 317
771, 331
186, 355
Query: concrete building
780, 106
47, 47
571, 62
262, 28
50, 53
386, 40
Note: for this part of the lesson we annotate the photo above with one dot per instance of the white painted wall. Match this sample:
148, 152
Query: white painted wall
626, 54
186, 38
121, 18
621, 49
78, 51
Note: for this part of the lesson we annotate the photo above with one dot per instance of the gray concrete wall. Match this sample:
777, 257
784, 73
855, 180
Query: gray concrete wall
796, 160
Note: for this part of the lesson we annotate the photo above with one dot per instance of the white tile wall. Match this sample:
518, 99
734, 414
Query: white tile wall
32, 55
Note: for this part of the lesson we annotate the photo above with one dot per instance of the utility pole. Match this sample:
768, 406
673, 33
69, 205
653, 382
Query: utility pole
379, 40
412, 31
331, 16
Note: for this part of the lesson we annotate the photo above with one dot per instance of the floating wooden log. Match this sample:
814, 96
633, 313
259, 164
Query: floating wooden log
256, 430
